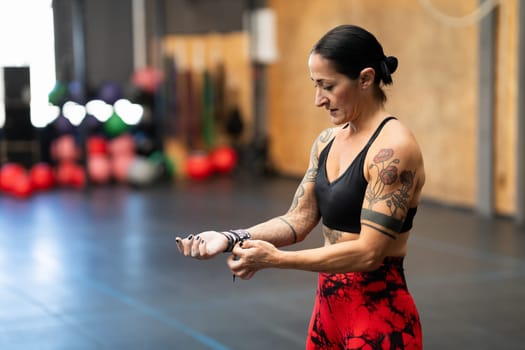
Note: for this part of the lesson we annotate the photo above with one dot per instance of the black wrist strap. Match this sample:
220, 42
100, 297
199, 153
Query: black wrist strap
230, 239
234, 237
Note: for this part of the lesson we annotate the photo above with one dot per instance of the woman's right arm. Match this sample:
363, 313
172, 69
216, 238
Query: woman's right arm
302, 216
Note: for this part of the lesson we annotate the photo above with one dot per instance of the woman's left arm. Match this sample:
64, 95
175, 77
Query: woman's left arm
395, 176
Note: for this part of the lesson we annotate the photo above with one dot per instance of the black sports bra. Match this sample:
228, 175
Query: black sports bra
341, 200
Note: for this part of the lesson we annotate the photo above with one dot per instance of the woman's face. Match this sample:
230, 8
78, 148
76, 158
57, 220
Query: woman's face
334, 91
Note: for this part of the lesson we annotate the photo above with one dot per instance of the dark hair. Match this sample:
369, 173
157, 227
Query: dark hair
351, 49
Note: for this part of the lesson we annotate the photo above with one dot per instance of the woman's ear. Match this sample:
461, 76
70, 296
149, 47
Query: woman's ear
366, 78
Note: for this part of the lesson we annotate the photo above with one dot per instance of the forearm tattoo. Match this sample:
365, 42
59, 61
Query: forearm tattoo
332, 235
386, 166
291, 228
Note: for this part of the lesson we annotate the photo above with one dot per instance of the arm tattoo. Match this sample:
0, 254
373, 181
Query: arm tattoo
332, 235
376, 217
326, 135
311, 172
379, 230
387, 174
298, 194
291, 228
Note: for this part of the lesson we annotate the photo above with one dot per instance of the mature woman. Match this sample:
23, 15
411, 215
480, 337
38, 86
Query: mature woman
364, 182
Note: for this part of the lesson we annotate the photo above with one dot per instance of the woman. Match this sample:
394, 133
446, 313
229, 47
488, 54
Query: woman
364, 182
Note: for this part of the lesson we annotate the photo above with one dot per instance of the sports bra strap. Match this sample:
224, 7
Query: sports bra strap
378, 130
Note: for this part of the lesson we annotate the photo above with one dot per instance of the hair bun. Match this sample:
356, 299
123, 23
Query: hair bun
391, 63
388, 66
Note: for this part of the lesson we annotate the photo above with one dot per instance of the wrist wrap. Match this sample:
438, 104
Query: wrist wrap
234, 237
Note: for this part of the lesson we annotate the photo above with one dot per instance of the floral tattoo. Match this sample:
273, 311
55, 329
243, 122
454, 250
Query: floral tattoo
385, 164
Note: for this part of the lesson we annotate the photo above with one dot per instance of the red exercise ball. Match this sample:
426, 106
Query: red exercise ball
199, 166
79, 177
9, 173
99, 168
97, 145
122, 145
41, 176
22, 187
147, 79
70, 174
224, 159
120, 166
64, 149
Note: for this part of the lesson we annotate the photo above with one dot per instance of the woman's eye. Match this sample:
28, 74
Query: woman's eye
328, 87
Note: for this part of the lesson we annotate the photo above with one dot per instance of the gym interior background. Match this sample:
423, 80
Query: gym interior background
130, 101
259, 97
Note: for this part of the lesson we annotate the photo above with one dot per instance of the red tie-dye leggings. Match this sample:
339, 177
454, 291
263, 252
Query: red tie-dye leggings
365, 311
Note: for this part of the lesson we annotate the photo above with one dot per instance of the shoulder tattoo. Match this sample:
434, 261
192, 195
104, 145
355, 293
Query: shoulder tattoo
326, 135
311, 172
386, 167
323, 138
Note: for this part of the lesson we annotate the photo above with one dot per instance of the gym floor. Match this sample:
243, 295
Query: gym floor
100, 270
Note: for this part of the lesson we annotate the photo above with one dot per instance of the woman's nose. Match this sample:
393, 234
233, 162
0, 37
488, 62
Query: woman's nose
320, 99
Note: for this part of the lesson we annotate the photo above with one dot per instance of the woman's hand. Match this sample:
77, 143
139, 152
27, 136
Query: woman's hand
204, 245
250, 256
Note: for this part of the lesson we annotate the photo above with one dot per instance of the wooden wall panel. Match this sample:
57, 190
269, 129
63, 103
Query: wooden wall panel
434, 91
195, 53
506, 108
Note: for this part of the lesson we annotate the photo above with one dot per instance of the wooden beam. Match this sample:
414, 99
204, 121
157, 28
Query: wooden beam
485, 148
520, 151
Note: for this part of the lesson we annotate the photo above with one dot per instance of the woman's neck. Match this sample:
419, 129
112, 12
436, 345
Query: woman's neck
368, 119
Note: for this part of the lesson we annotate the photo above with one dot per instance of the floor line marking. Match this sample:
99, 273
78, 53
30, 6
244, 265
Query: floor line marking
155, 314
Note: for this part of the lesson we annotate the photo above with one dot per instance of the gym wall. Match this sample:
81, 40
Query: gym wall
435, 91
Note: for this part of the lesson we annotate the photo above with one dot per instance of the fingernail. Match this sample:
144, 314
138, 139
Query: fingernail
177, 240
197, 238
202, 241
190, 237
240, 244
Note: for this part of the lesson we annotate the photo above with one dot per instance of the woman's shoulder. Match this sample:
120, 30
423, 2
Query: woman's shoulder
398, 137
323, 139
328, 134
396, 131
397, 147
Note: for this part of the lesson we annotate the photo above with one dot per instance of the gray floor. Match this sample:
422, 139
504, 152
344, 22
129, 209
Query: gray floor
100, 270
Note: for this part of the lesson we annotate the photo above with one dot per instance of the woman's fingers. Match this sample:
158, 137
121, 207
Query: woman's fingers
202, 248
194, 250
245, 274
249, 275
180, 247
204, 245
239, 265
187, 243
